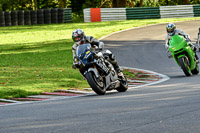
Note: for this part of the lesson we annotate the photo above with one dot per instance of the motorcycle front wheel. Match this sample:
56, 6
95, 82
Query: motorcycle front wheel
95, 83
123, 85
184, 63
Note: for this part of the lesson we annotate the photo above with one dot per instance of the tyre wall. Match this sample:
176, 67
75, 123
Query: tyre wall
54, 15
21, 17
27, 18
14, 18
34, 17
47, 16
60, 15
7, 19
2, 19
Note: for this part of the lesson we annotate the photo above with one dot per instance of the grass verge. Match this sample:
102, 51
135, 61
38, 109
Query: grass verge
38, 58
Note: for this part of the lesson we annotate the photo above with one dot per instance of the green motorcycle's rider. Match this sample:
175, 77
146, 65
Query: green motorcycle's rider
171, 31
79, 38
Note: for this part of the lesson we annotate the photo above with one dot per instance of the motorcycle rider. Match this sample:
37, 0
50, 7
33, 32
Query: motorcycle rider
171, 31
79, 38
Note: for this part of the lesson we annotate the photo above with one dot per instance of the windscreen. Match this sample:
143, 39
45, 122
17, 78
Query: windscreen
82, 48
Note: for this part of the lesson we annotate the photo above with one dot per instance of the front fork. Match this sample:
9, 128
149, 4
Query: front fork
82, 75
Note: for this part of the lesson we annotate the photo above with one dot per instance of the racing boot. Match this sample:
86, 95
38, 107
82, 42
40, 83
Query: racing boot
194, 48
109, 56
197, 58
117, 69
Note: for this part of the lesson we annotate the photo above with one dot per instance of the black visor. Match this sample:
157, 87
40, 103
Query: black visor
77, 39
170, 30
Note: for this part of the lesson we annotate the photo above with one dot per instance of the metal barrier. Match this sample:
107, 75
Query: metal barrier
142, 13
106, 14
87, 15
196, 10
67, 15
176, 11
110, 14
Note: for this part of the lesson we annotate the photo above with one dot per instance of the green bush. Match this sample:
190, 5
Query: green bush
76, 18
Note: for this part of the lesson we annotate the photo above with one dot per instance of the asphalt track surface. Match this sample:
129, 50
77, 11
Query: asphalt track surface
172, 106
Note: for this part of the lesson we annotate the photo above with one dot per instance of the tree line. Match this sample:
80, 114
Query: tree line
78, 5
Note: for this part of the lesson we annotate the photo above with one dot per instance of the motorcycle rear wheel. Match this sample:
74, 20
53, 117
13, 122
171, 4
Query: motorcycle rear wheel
96, 85
184, 63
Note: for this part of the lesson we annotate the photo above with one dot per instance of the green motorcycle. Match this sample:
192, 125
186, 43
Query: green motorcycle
183, 55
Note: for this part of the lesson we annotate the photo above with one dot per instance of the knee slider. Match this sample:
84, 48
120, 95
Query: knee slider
101, 45
112, 57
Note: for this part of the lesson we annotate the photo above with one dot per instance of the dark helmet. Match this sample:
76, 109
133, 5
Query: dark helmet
78, 36
170, 29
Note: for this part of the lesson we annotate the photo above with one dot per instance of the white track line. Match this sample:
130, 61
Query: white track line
164, 77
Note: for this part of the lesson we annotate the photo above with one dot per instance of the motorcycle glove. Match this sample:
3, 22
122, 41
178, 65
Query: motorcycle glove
73, 66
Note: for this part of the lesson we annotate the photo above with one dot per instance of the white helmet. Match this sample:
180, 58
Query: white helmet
171, 29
